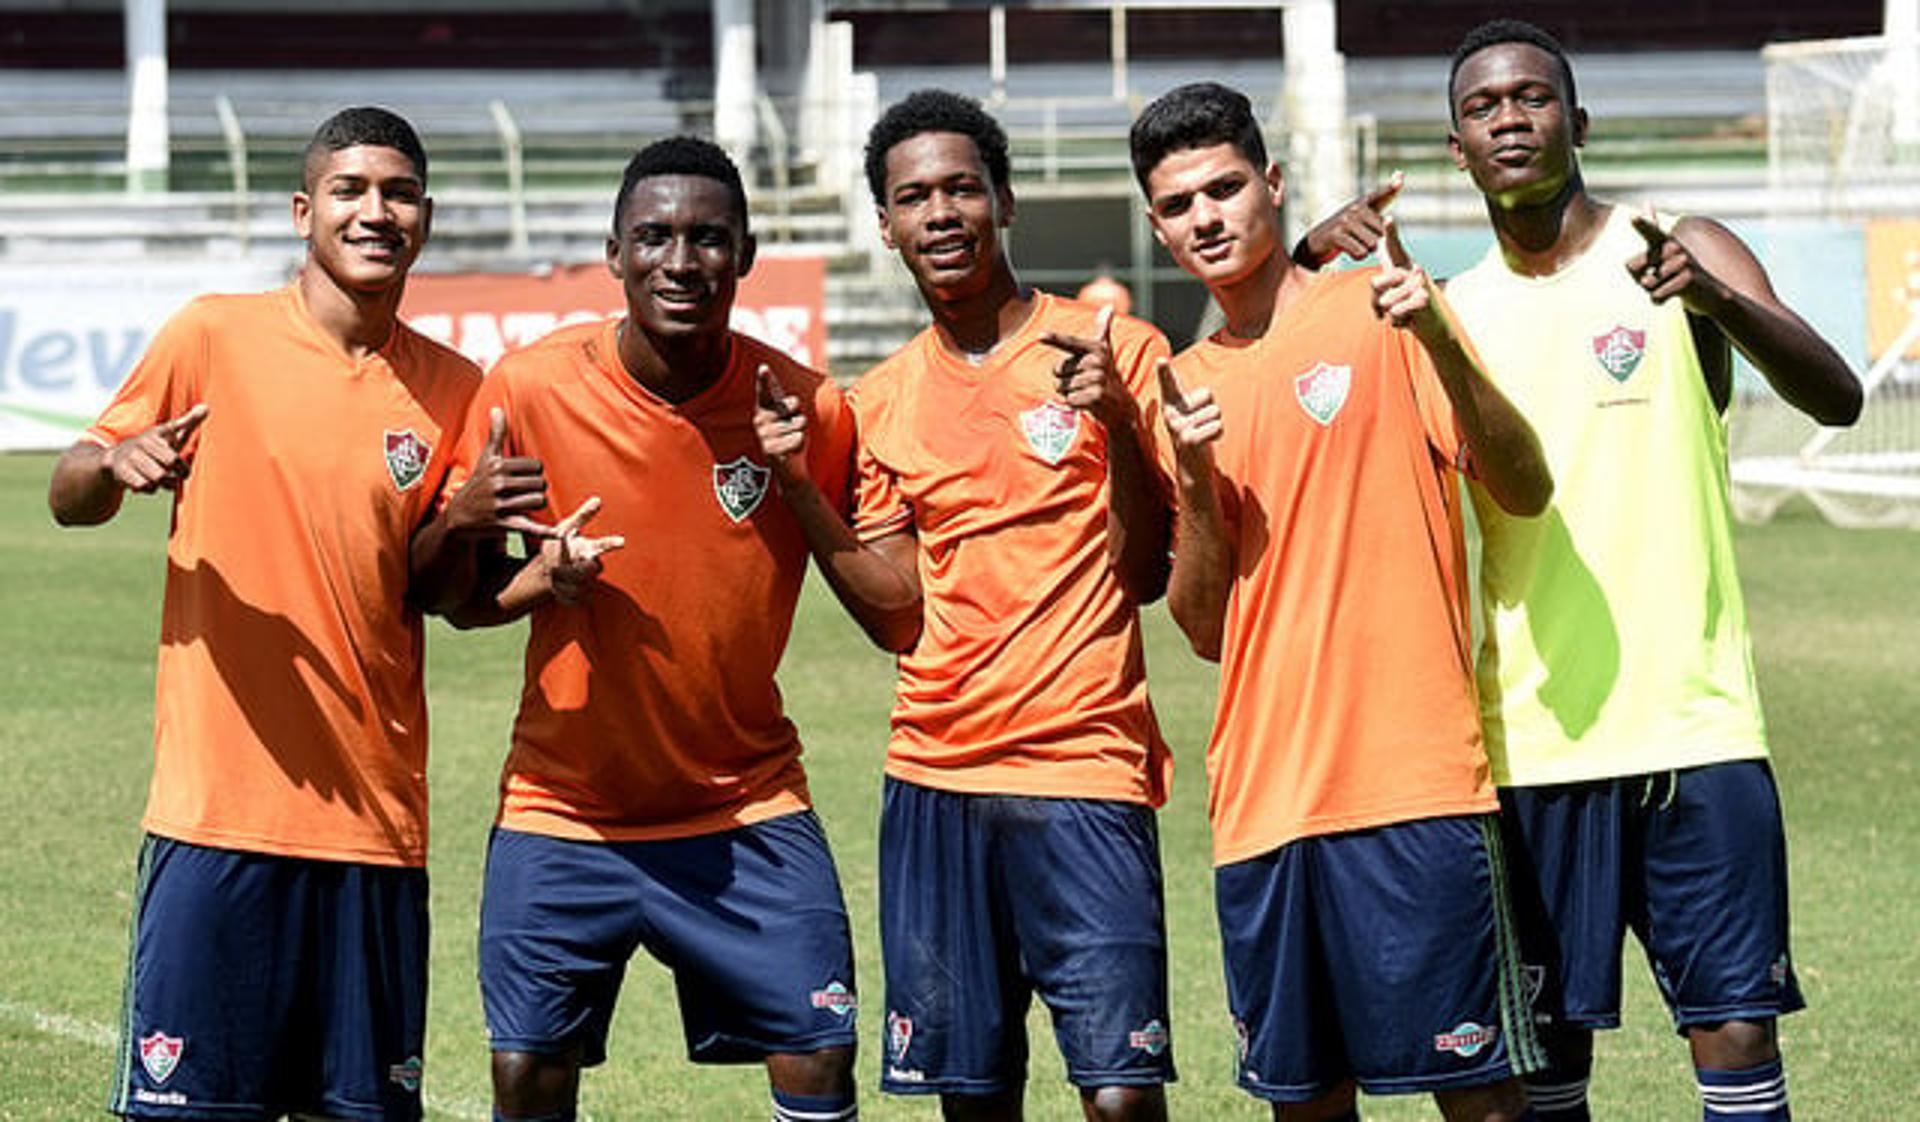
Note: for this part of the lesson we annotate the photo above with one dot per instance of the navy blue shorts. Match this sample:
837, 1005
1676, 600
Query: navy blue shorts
1694, 861
262, 985
986, 900
751, 922
1384, 956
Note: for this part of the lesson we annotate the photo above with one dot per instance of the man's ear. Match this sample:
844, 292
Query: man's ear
303, 215
1579, 128
613, 259
749, 247
886, 231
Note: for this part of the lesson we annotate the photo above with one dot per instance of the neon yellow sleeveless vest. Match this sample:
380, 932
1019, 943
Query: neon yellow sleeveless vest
1615, 635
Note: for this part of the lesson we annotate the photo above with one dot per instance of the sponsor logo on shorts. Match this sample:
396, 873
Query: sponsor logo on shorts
1150, 1038
1619, 351
836, 997
905, 1074
159, 1098
406, 1075
899, 1034
1050, 429
407, 457
160, 1054
1466, 1039
1322, 391
740, 484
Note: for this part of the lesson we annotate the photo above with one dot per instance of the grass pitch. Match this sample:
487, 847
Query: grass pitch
1835, 618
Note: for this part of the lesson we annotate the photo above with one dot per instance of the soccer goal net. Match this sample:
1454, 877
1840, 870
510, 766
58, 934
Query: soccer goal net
1843, 147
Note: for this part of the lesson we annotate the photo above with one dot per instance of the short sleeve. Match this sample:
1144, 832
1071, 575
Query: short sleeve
1136, 357
879, 506
168, 380
830, 452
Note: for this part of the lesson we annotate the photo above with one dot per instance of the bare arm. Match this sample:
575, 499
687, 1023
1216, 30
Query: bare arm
1203, 557
878, 582
1505, 450
564, 566
90, 480
1354, 229
1139, 524
496, 499
1709, 268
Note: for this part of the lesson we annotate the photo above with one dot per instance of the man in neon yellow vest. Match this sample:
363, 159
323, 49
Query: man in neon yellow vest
1617, 677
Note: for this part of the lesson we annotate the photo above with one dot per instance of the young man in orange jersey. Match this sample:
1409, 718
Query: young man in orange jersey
654, 795
1318, 557
280, 927
1003, 467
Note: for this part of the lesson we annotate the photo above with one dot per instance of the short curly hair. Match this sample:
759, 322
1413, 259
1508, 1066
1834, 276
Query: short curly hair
682, 155
936, 111
1196, 115
363, 125
1497, 31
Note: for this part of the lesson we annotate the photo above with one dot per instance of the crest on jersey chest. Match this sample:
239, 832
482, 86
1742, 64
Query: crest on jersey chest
407, 457
1619, 351
740, 484
1322, 391
1050, 428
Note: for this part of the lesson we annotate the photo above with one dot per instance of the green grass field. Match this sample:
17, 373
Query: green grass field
1835, 617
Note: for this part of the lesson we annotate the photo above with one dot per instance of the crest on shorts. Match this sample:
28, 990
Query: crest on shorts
835, 997
1534, 981
899, 1035
1323, 390
407, 456
1619, 351
160, 1054
1050, 428
406, 1075
1150, 1038
1466, 1039
740, 484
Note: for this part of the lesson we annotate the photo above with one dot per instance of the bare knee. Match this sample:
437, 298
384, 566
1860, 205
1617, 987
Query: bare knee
1733, 1045
1124, 1104
1491, 1102
1004, 1106
531, 1084
1334, 1106
827, 1072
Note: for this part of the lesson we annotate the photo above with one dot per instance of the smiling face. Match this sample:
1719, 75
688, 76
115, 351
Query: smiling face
1515, 130
1217, 214
679, 253
364, 214
943, 214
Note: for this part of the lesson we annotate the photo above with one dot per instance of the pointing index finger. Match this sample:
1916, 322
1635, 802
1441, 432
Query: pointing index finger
1647, 225
1383, 196
1171, 391
182, 427
1397, 254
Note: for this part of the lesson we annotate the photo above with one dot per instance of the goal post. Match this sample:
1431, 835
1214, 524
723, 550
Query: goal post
1843, 147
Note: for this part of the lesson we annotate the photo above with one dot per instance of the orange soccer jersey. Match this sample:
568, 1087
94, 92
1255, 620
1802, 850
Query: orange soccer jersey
650, 709
1346, 696
1028, 677
290, 715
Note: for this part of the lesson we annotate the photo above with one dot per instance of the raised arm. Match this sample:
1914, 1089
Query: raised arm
91, 479
1718, 278
878, 582
1202, 555
1139, 525
1505, 450
496, 499
561, 569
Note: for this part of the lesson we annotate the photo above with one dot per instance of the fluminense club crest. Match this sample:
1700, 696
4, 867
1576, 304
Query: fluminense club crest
407, 457
1323, 390
1050, 428
740, 484
836, 998
1619, 351
160, 1054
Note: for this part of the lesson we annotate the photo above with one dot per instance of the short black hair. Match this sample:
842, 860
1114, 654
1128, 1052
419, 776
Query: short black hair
1497, 31
364, 125
936, 111
682, 155
1196, 115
